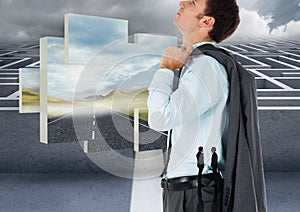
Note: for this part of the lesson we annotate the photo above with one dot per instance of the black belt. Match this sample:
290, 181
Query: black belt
184, 183
180, 183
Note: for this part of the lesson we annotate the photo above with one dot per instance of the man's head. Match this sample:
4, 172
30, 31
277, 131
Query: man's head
200, 149
226, 15
207, 20
213, 149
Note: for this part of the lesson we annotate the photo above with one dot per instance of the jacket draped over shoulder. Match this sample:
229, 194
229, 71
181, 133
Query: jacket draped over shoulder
244, 184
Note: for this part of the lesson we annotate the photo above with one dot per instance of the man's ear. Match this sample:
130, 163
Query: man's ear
207, 21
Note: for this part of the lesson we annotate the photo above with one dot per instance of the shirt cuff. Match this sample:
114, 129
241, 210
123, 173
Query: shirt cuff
165, 70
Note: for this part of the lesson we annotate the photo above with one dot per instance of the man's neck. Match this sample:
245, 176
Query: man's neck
190, 39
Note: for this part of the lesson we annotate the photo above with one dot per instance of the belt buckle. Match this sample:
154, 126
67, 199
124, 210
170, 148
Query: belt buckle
164, 183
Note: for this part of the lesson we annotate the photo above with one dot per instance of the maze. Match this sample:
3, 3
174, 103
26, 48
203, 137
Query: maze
276, 67
12, 57
275, 64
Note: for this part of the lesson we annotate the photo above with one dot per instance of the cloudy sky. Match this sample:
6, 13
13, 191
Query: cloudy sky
32, 19
30, 78
84, 34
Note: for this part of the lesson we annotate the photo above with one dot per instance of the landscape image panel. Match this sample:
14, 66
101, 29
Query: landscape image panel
85, 35
58, 81
30, 90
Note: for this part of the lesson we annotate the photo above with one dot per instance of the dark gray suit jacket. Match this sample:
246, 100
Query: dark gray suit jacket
244, 184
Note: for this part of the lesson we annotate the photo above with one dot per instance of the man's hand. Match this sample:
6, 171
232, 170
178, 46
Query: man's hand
175, 58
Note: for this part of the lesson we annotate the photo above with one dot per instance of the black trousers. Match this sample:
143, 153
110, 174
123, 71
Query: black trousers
206, 198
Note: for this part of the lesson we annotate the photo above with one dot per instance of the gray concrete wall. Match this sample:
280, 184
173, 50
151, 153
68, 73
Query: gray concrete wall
280, 137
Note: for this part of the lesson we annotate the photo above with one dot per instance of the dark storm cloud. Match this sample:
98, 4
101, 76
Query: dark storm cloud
32, 19
281, 11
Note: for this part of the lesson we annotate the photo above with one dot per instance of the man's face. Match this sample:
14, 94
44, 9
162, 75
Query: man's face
189, 14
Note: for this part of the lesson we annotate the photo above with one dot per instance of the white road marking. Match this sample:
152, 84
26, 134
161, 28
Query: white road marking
86, 147
296, 55
278, 108
283, 63
32, 47
14, 95
278, 98
93, 135
278, 69
16, 74
58, 119
291, 59
8, 99
9, 108
270, 79
9, 83
260, 46
14, 63
34, 64
9, 78
7, 53
248, 58
238, 48
279, 90
250, 47
146, 193
290, 73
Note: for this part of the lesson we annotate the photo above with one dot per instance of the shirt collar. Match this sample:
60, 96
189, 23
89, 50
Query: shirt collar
195, 45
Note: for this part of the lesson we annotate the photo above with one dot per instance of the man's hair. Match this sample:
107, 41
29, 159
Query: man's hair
200, 148
226, 15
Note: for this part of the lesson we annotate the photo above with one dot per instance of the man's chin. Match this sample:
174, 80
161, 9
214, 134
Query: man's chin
175, 22
177, 26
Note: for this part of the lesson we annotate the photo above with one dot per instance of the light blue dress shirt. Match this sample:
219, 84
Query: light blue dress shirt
196, 112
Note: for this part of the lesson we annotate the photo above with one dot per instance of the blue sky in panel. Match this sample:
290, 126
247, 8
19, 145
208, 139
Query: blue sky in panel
87, 34
31, 78
131, 67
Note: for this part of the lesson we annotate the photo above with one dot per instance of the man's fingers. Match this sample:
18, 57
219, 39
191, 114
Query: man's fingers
187, 48
175, 57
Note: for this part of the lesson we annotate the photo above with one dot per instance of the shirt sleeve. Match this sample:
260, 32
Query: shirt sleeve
198, 91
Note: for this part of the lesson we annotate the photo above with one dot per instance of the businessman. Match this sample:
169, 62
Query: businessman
197, 111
